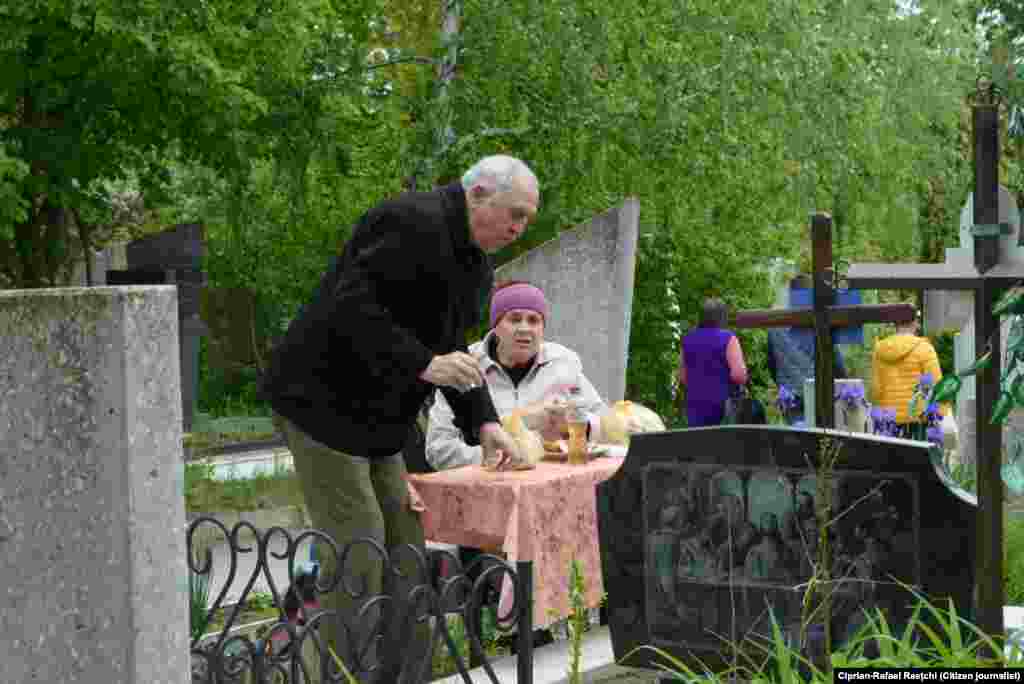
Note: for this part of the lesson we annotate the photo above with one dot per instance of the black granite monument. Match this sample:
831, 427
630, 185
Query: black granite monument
174, 257
703, 531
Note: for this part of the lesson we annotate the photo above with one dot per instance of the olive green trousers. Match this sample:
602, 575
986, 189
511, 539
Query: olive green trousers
350, 497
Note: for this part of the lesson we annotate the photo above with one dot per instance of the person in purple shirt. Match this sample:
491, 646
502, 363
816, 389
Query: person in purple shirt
710, 363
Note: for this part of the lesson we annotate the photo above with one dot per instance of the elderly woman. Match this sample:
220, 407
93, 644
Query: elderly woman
522, 371
710, 364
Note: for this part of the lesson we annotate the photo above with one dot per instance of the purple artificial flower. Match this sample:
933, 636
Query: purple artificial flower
852, 395
787, 400
924, 385
931, 414
934, 434
884, 422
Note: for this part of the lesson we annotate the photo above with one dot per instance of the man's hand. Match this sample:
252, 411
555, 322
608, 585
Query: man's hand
500, 451
457, 369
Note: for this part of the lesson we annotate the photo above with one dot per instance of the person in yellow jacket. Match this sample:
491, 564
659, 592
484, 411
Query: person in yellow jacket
898, 363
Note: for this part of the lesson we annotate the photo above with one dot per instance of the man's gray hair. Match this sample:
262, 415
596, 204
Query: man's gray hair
497, 173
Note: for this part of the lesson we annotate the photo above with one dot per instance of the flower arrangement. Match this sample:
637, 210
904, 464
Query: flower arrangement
928, 424
788, 402
884, 422
853, 403
852, 395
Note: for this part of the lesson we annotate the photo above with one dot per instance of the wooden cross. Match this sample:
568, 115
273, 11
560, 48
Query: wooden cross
823, 316
987, 279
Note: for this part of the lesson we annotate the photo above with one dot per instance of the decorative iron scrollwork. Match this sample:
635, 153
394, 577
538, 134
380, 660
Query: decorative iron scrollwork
419, 590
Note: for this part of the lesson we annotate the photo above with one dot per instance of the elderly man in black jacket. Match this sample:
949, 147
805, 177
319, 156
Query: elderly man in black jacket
386, 326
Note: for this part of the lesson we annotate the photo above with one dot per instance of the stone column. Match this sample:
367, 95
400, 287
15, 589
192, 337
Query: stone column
92, 519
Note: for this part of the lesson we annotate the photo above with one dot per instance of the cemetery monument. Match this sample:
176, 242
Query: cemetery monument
987, 271
707, 532
92, 519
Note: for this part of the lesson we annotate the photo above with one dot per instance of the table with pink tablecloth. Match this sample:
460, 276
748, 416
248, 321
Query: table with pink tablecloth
547, 515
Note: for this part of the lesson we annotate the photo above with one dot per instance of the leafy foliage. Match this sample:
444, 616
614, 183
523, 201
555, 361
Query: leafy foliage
1013, 563
278, 126
100, 91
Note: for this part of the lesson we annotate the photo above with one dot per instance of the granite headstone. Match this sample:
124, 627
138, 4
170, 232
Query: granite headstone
703, 531
230, 315
111, 258
958, 308
174, 257
587, 275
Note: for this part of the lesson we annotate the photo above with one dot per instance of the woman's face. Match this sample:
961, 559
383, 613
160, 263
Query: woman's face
519, 333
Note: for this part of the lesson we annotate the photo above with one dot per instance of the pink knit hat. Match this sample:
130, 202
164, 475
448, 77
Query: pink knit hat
518, 296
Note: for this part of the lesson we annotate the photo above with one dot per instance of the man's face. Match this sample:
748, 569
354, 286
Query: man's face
519, 332
500, 219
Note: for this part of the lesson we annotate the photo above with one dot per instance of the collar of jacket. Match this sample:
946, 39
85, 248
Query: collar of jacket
548, 352
457, 215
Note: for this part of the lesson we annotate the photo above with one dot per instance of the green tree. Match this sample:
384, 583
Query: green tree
99, 91
730, 122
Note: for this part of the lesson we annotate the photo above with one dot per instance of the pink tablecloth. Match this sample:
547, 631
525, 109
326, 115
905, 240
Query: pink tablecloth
547, 515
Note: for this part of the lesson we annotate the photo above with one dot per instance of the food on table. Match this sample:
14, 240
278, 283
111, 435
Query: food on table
627, 418
531, 447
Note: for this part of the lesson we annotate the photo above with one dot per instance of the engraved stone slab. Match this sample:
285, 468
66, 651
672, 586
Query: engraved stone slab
706, 532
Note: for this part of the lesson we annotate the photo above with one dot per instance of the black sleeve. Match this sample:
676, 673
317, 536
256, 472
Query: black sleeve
384, 247
472, 409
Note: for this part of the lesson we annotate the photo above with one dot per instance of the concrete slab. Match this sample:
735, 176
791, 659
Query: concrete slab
550, 665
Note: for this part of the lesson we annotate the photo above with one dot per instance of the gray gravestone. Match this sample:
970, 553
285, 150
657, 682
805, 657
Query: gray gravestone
945, 309
174, 257
230, 315
587, 276
110, 258
703, 530
958, 309
92, 519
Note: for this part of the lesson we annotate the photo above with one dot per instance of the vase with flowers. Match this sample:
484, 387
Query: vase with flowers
789, 404
883, 422
851, 407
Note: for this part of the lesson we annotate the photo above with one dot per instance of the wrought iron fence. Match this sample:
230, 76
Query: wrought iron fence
384, 637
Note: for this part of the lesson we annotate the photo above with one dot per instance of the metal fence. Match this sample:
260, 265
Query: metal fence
390, 636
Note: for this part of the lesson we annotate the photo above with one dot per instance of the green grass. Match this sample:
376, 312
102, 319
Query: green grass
259, 606
198, 596
444, 664
235, 425
935, 637
1013, 564
263, 490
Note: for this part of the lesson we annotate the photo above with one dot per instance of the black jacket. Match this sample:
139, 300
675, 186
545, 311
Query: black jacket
408, 285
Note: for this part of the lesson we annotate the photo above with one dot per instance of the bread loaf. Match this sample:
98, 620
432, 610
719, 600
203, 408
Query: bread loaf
627, 418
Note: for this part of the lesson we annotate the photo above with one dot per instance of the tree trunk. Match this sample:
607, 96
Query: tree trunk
444, 133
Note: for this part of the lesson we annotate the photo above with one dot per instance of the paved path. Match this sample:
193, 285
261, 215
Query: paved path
246, 564
550, 665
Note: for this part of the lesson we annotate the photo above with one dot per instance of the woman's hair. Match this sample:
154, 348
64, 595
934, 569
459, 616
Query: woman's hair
713, 314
